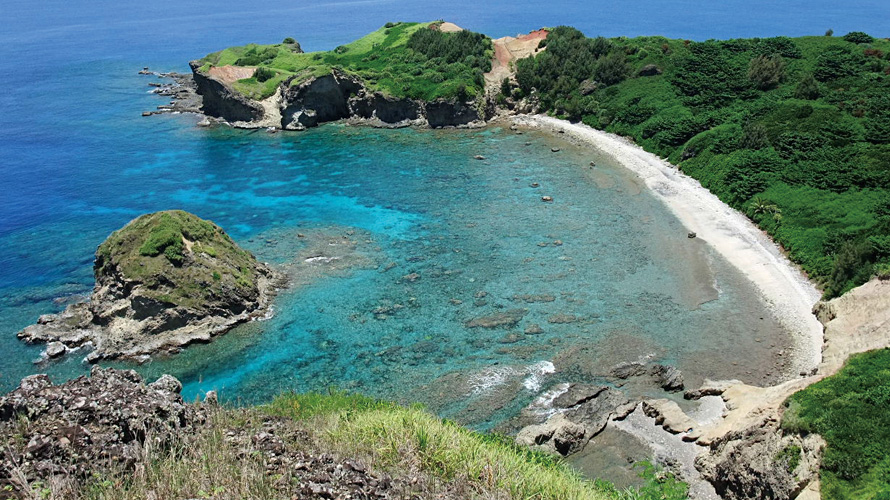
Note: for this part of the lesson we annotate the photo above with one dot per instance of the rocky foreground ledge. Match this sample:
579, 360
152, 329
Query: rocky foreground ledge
164, 281
60, 439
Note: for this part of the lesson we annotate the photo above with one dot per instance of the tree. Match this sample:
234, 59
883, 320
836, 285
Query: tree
858, 37
767, 71
829, 32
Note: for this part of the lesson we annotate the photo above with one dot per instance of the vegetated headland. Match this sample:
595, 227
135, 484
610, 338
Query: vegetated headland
793, 133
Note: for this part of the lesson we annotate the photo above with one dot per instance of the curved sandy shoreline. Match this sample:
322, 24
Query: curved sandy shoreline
783, 288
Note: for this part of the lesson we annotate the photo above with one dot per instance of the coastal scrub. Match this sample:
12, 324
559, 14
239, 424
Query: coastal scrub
800, 124
849, 410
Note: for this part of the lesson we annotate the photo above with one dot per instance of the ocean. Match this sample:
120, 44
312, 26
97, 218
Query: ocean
605, 271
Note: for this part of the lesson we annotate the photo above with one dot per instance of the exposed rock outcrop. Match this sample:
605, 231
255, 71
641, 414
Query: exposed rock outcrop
583, 412
450, 113
87, 423
163, 281
221, 101
759, 462
318, 100
327, 98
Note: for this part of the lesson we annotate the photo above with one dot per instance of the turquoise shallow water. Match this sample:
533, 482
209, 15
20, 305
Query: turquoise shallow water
78, 161
426, 239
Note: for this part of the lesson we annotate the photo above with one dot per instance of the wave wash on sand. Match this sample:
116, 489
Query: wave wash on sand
783, 288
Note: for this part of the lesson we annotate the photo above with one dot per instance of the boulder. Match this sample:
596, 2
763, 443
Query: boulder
582, 412
649, 70
668, 377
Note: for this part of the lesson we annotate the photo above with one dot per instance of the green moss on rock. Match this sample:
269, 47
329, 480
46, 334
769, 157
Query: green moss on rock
180, 259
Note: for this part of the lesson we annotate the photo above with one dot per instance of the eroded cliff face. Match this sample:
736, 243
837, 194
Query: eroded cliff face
319, 100
221, 101
333, 97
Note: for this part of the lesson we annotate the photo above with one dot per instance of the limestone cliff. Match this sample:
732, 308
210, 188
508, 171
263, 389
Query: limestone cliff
332, 97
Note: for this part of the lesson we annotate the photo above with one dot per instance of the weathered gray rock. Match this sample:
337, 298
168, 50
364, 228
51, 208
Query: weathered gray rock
388, 111
450, 113
583, 412
88, 422
318, 100
757, 463
668, 377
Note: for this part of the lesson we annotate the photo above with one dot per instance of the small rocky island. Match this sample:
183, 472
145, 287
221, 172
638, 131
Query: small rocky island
163, 281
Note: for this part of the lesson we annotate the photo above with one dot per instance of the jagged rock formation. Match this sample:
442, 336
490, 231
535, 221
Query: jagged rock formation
759, 462
61, 438
87, 423
220, 100
584, 412
163, 281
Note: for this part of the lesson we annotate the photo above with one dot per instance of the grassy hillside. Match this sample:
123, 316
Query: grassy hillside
400, 59
849, 410
793, 132
440, 458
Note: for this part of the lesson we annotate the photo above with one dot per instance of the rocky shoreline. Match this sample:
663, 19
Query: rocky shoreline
149, 301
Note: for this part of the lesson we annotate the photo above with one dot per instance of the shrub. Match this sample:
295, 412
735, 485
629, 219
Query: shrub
829, 32
755, 136
858, 37
837, 62
263, 74
871, 52
289, 40
612, 68
807, 88
766, 71
848, 410
255, 56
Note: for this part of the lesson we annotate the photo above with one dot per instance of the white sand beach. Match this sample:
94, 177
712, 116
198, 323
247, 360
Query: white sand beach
784, 289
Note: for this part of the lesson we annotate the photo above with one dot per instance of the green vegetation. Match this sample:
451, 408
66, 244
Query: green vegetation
182, 259
849, 410
801, 125
400, 441
790, 457
401, 59
394, 436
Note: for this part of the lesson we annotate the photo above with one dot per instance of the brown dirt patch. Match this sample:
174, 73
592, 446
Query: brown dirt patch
231, 74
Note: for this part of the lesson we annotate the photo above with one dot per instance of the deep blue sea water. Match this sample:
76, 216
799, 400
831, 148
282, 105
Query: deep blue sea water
78, 161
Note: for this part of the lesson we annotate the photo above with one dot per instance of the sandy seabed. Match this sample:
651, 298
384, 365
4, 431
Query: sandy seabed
784, 289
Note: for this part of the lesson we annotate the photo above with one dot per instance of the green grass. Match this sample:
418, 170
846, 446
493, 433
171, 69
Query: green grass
384, 60
849, 410
154, 250
402, 438
404, 442
821, 154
